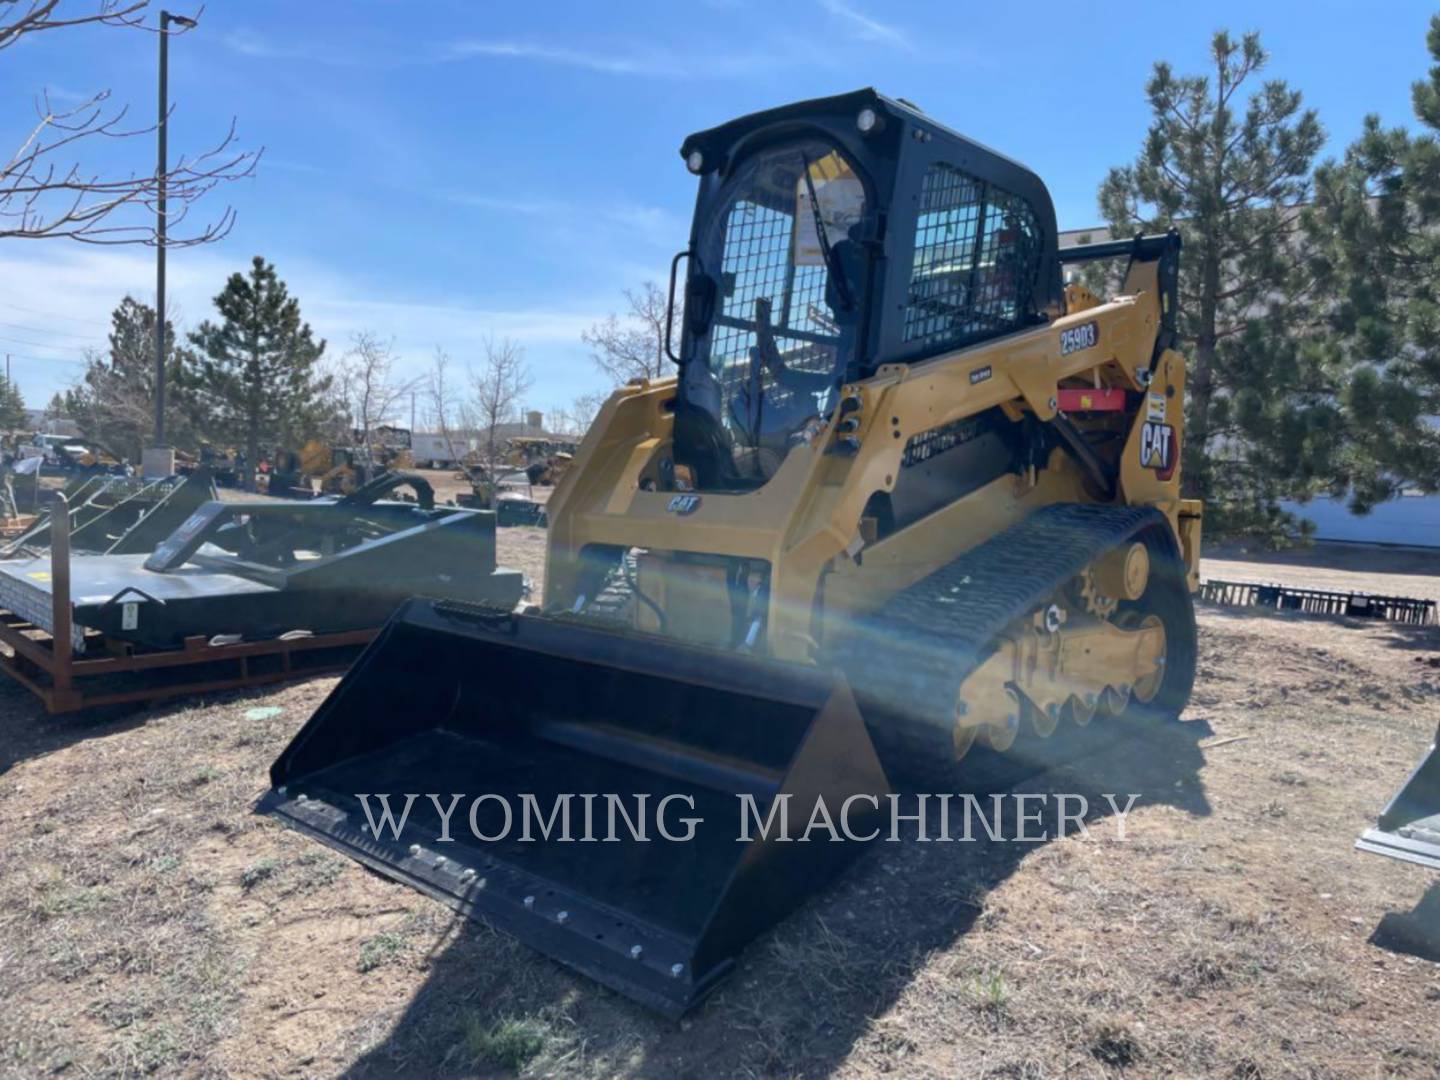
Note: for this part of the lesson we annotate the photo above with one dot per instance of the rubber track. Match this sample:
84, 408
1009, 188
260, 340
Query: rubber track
907, 659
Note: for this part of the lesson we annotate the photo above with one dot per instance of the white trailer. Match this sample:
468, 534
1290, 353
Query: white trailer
438, 451
1412, 520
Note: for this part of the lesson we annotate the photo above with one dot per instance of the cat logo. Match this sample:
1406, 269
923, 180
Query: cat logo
684, 504
1157, 448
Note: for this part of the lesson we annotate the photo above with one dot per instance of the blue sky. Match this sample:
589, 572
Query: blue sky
435, 172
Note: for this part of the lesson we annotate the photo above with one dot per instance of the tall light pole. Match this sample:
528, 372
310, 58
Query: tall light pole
161, 170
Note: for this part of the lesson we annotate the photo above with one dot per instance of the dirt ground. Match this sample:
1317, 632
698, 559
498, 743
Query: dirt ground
151, 922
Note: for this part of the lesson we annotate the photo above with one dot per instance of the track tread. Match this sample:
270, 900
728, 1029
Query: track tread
935, 632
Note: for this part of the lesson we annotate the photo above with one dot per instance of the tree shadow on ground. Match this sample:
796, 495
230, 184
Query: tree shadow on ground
805, 992
1415, 639
30, 732
1397, 635
27, 731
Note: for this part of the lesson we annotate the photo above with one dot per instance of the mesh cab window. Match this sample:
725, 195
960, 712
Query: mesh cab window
976, 248
777, 346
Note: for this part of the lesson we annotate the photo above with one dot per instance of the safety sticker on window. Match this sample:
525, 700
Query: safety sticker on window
842, 203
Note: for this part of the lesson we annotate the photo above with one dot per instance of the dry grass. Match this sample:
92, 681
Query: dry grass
151, 923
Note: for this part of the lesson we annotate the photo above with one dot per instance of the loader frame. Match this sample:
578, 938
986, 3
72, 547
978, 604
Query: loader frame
805, 522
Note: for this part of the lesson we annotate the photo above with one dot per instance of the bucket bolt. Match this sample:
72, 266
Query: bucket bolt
415, 850
676, 970
530, 903
563, 917
636, 951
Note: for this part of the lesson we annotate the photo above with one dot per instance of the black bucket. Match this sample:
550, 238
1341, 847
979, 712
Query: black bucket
451, 700
1409, 827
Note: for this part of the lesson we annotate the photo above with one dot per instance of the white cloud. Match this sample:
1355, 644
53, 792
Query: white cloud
865, 27
606, 63
249, 43
254, 45
500, 203
644, 59
665, 63
62, 297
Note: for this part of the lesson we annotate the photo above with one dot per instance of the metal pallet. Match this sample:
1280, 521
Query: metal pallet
1401, 609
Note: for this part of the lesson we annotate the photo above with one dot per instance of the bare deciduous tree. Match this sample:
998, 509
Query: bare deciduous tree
40, 15
498, 388
633, 347
558, 421
447, 409
574, 420
584, 408
368, 387
45, 193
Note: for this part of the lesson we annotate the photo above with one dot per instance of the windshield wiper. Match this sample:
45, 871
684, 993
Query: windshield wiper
827, 253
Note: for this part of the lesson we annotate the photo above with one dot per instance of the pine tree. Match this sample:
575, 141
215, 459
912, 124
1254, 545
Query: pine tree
114, 402
256, 382
1375, 228
1228, 163
12, 407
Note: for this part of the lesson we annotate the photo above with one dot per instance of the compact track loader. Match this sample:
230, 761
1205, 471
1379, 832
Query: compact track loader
906, 493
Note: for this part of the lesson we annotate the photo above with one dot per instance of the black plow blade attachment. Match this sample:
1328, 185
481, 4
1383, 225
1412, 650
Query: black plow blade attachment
1409, 827
523, 716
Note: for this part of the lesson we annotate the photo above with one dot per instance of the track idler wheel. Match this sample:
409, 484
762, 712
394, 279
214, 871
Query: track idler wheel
1000, 737
1081, 708
1114, 701
1042, 722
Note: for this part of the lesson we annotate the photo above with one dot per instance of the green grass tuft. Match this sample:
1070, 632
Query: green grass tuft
383, 948
257, 872
509, 1043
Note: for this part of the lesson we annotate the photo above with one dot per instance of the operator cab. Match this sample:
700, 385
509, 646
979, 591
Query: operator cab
829, 237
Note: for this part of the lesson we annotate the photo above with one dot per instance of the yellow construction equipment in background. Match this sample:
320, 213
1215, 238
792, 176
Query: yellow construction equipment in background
543, 460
